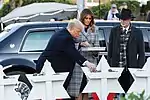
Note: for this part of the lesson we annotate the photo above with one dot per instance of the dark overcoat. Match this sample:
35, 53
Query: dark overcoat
135, 48
62, 54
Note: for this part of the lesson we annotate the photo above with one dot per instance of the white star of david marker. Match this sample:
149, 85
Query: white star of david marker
54, 83
95, 82
107, 81
98, 80
48, 86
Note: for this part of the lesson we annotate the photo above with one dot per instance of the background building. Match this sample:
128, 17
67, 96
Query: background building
90, 3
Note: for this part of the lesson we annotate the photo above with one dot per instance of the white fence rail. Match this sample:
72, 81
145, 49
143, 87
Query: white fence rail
49, 86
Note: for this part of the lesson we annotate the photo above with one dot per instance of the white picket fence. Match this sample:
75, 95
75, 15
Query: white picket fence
50, 85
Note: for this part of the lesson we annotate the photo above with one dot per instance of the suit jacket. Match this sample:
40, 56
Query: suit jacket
135, 48
62, 54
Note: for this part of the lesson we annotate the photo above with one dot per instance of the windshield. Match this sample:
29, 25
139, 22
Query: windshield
9, 30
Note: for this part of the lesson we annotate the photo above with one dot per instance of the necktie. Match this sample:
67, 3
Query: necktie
113, 15
124, 31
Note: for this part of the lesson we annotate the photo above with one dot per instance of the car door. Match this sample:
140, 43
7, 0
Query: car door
34, 42
146, 37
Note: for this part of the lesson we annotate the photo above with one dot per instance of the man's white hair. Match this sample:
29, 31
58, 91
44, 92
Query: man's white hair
75, 23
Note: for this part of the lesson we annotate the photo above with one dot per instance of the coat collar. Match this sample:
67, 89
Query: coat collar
131, 30
131, 34
119, 30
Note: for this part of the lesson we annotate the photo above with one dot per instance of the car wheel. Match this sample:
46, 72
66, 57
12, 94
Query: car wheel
15, 73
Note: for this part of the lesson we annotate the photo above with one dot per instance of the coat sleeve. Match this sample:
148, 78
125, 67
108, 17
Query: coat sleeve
41, 60
141, 50
73, 53
110, 47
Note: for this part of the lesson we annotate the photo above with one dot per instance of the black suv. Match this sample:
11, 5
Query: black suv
22, 43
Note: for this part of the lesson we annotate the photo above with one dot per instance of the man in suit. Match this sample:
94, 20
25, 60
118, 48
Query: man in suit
126, 47
61, 51
126, 44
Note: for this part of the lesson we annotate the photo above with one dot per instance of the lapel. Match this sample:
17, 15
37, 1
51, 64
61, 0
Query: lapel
131, 35
119, 30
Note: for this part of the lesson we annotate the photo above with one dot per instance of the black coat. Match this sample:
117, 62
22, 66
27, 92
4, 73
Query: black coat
62, 54
135, 48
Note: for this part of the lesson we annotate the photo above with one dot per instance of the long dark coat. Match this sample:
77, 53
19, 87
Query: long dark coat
62, 54
135, 48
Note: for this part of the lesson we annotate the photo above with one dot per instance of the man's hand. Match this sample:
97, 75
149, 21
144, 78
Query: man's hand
85, 44
91, 66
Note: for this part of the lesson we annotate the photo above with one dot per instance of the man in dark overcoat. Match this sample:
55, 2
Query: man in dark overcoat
61, 51
126, 44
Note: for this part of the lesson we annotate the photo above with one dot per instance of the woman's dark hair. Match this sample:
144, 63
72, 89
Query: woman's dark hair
83, 15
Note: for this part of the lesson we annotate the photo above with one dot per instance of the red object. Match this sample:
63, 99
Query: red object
95, 97
111, 96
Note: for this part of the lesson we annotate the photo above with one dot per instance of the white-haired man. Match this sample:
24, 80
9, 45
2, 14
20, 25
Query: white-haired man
61, 51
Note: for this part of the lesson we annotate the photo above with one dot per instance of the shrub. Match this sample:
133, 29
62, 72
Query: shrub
133, 5
5, 9
103, 9
136, 96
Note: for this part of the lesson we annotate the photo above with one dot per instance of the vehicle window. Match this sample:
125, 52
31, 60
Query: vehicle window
101, 38
146, 38
106, 32
37, 40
